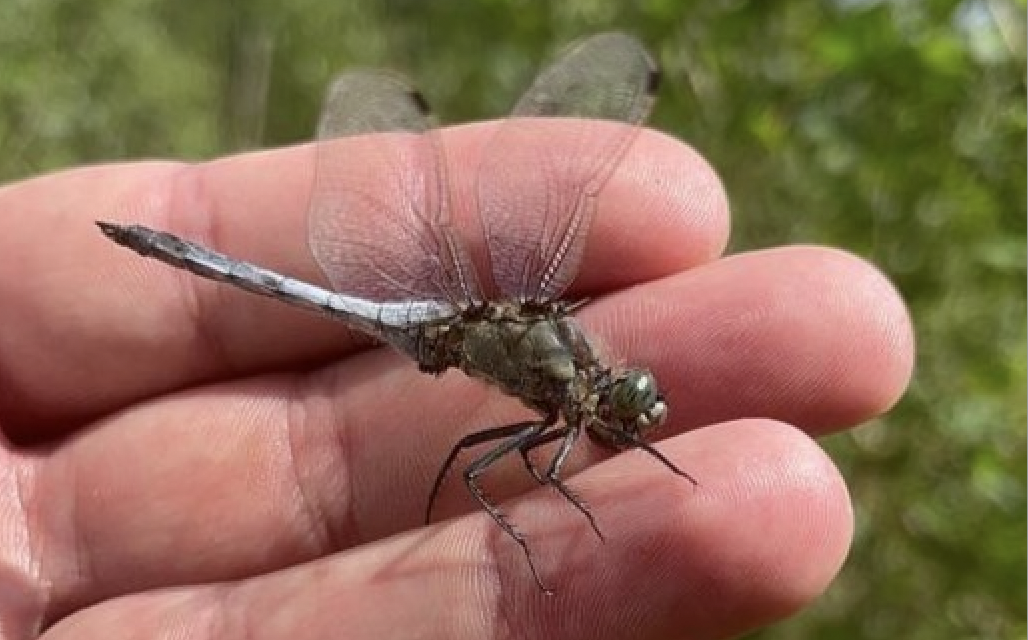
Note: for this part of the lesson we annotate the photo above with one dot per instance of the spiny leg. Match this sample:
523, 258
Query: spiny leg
545, 437
468, 441
552, 477
635, 441
480, 465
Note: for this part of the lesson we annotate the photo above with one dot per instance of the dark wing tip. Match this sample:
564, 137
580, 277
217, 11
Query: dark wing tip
655, 79
420, 103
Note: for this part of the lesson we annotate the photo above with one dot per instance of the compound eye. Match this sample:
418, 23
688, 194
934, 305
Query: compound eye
635, 396
654, 417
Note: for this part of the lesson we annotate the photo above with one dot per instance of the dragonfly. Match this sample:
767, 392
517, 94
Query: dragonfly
409, 280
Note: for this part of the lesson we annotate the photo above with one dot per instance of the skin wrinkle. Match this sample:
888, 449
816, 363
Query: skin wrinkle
164, 209
342, 465
80, 546
190, 181
33, 564
508, 619
296, 419
484, 590
325, 408
217, 601
493, 615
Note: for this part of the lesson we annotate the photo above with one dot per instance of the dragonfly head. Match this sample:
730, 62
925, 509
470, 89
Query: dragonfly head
636, 405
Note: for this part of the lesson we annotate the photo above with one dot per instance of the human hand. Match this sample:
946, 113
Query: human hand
206, 463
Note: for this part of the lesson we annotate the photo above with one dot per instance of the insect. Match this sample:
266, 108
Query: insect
408, 279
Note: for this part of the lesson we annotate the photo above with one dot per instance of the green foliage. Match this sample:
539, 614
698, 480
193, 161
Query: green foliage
893, 129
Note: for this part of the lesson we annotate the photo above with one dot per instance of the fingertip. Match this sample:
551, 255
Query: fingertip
877, 354
763, 534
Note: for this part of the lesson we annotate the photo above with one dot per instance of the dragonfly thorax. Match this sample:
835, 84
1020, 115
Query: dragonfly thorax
536, 353
539, 354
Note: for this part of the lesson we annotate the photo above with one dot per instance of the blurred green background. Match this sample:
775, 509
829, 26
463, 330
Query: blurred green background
893, 129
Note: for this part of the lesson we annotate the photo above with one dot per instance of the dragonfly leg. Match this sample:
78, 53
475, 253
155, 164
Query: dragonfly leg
468, 441
632, 440
541, 439
528, 432
552, 476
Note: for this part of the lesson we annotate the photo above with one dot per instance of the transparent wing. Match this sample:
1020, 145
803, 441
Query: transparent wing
539, 179
379, 225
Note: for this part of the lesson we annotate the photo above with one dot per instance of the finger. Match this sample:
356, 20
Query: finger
808, 335
244, 478
761, 536
129, 328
